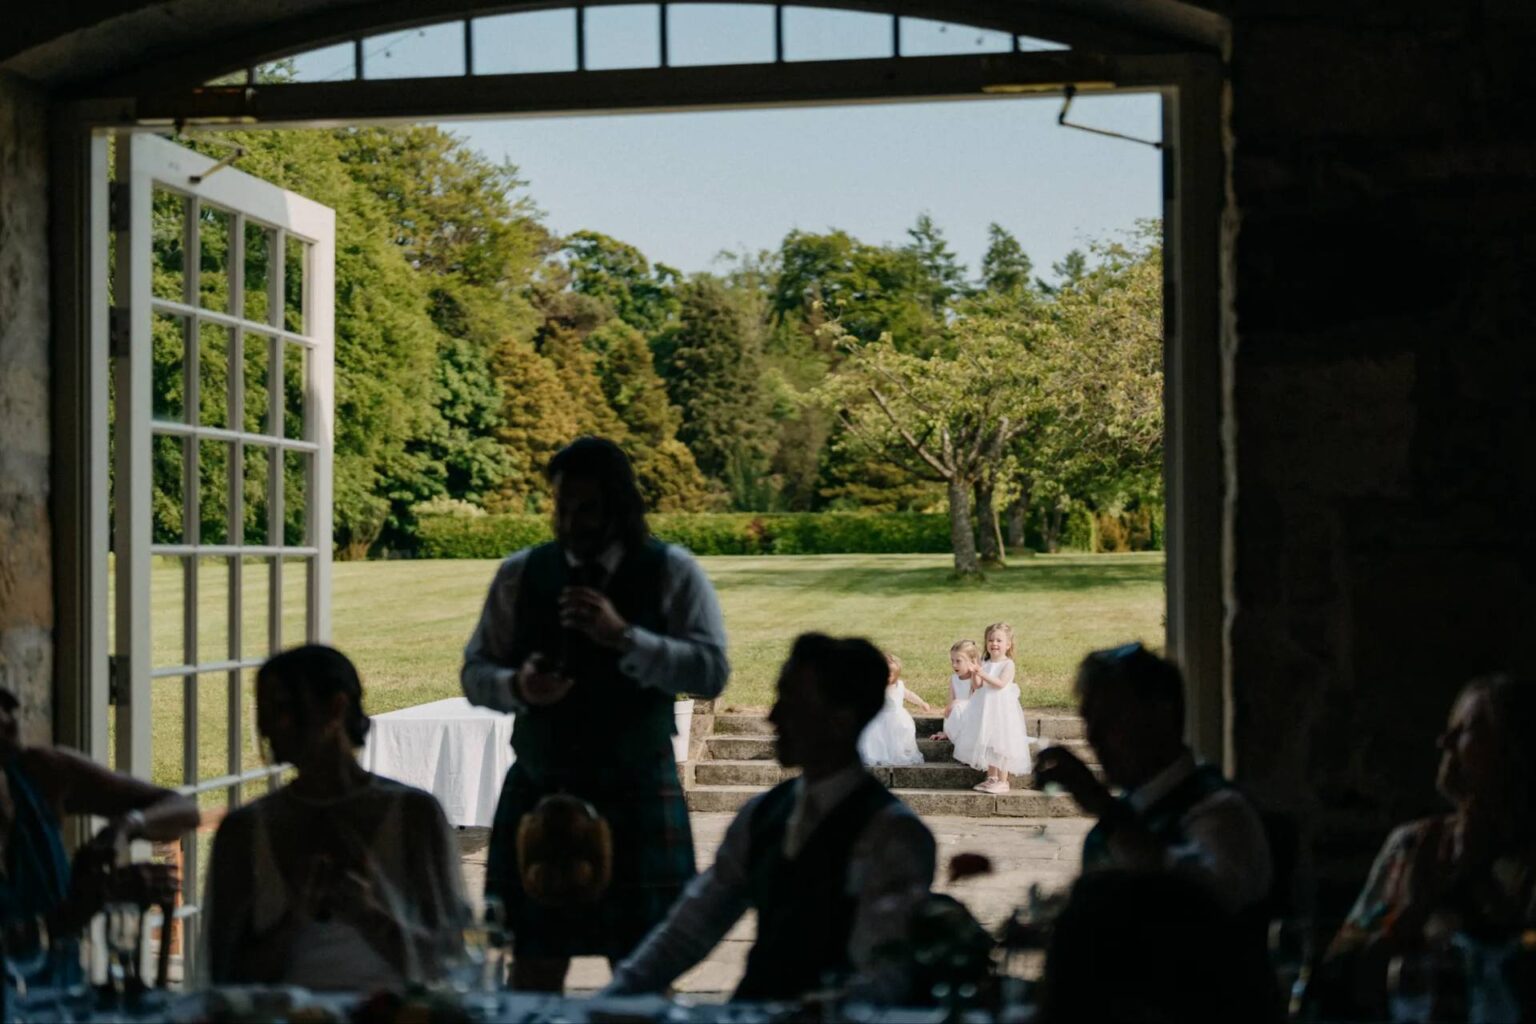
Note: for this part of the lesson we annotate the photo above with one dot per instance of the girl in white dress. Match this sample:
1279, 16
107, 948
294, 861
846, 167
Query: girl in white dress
993, 736
965, 659
891, 736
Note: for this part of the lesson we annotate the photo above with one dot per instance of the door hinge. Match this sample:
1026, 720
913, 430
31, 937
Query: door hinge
117, 206
117, 679
119, 332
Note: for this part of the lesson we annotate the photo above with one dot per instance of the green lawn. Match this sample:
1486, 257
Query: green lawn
405, 623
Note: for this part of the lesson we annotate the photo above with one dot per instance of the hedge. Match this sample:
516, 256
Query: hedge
707, 533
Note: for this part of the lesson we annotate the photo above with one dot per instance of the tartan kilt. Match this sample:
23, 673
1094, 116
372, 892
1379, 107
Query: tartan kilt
652, 862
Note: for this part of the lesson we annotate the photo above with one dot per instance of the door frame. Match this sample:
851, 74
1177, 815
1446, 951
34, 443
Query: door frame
1195, 330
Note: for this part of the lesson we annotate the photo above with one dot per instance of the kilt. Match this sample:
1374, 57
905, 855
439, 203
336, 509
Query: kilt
652, 862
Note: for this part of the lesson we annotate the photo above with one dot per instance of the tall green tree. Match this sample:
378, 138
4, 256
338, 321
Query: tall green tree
944, 277
714, 375
1005, 268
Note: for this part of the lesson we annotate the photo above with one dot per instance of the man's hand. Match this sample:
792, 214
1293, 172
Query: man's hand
1060, 766
540, 684
588, 611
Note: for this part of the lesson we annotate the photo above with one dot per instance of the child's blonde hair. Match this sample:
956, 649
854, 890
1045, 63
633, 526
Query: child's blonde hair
1003, 628
966, 647
895, 663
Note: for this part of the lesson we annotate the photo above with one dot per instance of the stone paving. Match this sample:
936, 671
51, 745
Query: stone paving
1022, 850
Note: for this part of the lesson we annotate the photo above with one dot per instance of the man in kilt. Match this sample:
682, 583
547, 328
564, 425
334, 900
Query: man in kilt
589, 640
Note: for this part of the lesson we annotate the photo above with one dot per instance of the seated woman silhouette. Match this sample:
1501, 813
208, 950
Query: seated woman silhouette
340, 879
41, 892
1469, 873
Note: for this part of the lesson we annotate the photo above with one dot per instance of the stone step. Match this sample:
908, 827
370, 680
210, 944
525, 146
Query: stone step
1052, 725
1018, 803
946, 776
761, 748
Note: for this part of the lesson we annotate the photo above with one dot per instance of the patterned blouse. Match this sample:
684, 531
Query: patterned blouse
1493, 904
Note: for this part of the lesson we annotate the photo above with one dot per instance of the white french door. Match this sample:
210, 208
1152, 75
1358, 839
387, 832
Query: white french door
222, 419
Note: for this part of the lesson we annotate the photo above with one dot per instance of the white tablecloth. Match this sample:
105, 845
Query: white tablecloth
457, 752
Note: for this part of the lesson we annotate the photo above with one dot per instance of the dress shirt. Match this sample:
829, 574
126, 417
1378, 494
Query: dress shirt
1225, 846
687, 657
890, 869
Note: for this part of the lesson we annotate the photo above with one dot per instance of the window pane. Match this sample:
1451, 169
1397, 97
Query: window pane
252, 750
256, 509
168, 235
257, 356
293, 285
212, 731
813, 34
213, 607
627, 36
296, 467
167, 718
327, 64
923, 38
213, 375
168, 359
213, 231
213, 491
255, 620
293, 391
433, 51
536, 41
167, 607
295, 600
259, 241
719, 34
167, 469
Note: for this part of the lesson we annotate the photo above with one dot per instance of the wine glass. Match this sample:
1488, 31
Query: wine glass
1291, 954
122, 940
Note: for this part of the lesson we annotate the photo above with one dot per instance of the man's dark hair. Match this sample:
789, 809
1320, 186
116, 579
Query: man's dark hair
603, 462
315, 672
850, 671
1133, 670
8, 700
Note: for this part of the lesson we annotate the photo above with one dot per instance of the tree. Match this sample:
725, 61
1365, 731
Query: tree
944, 276
714, 375
618, 275
1005, 268
948, 418
1103, 439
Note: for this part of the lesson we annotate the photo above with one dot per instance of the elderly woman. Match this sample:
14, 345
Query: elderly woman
38, 885
340, 879
1470, 872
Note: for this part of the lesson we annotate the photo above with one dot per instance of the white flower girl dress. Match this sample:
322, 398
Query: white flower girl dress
891, 736
992, 732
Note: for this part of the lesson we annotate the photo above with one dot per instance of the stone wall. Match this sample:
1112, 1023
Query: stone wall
26, 593
1382, 402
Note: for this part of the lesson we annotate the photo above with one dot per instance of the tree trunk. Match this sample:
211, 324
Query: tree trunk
988, 531
1017, 514
1053, 528
960, 537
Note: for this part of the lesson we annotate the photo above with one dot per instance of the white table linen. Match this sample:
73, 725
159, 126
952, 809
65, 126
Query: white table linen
457, 752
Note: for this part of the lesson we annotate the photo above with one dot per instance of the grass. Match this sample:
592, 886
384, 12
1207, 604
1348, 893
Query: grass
405, 623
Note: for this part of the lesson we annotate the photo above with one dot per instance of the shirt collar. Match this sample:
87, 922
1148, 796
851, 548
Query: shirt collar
610, 558
816, 798
1163, 783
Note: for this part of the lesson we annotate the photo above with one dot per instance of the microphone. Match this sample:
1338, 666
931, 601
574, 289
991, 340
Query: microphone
584, 574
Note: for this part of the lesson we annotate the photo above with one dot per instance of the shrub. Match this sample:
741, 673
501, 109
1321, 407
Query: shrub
706, 533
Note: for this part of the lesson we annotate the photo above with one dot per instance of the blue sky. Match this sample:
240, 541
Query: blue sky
682, 187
